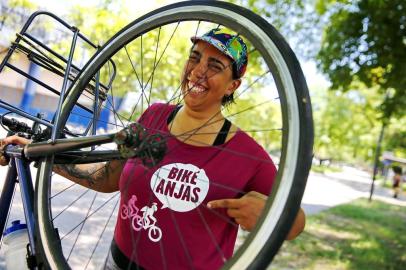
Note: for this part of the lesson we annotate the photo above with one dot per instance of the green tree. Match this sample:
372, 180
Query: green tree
366, 41
295, 19
396, 137
346, 124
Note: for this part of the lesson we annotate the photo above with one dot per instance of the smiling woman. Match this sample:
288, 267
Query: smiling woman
189, 177
216, 175
207, 84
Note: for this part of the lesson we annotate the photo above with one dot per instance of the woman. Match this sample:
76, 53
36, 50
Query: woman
185, 211
397, 178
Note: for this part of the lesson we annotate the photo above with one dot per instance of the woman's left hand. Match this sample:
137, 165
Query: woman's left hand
247, 210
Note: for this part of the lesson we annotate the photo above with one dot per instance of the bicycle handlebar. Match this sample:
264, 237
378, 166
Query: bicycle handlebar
15, 125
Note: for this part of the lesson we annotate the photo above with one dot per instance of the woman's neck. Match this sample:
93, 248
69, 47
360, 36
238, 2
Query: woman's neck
196, 128
196, 119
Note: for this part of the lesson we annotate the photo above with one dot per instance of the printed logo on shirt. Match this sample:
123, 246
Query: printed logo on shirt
146, 221
180, 187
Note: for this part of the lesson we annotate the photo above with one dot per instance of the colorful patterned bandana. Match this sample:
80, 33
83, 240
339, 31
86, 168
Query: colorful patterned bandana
230, 44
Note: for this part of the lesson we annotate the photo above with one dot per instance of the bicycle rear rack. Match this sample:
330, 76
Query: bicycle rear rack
63, 67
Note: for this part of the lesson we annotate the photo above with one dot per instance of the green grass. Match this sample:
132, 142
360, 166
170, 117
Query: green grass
325, 169
359, 235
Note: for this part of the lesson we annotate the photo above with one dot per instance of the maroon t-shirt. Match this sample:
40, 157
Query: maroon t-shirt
164, 222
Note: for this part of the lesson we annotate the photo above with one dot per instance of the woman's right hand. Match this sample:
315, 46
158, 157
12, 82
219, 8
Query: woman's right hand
10, 140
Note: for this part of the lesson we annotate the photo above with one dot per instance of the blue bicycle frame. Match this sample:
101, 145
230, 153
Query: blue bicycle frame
19, 166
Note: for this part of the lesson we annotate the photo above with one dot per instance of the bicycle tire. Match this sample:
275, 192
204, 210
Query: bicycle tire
297, 140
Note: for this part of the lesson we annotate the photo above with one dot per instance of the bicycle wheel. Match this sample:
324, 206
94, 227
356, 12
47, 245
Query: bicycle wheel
273, 106
154, 233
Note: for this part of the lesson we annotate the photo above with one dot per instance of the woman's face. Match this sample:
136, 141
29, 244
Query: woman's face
207, 77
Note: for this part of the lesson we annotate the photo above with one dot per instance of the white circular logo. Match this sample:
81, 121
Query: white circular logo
180, 187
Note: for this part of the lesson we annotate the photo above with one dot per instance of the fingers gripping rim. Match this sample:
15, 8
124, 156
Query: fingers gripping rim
296, 116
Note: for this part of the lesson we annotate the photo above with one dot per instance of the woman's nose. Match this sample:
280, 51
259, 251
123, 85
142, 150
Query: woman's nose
199, 71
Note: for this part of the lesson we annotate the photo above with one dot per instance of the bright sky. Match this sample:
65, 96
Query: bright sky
137, 6
140, 7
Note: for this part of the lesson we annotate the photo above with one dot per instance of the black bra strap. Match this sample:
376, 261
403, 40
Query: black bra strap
221, 136
172, 114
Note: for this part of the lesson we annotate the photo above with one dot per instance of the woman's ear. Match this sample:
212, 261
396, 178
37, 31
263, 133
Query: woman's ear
233, 86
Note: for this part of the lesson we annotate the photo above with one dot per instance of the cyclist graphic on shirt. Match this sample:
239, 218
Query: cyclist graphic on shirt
148, 215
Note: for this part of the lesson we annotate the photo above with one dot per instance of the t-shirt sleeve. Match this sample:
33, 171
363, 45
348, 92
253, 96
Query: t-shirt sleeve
264, 177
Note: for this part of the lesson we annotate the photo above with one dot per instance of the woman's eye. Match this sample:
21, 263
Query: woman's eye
215, 67
193, 58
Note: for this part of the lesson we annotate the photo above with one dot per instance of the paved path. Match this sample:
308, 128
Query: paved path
331, 189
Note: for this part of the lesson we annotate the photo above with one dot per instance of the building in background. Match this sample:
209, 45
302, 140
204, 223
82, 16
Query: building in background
40, 94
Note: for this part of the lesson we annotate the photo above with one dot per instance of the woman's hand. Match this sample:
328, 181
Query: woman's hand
10, 140
298, 225
247, 210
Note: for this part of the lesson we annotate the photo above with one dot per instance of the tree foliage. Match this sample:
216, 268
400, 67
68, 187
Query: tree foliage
294, 19
346, 126
395, 138
366, 41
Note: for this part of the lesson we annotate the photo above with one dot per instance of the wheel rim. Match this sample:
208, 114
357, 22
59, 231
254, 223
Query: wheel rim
291, 142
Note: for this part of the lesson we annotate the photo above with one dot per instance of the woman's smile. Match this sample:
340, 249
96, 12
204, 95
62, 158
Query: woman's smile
196, 88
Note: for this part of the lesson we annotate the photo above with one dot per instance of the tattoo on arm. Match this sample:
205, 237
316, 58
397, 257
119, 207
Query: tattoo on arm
91, 173
74, 171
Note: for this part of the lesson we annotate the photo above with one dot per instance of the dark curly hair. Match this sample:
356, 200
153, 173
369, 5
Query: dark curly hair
397, 169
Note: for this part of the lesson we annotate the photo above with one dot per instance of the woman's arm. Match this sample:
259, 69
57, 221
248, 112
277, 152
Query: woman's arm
103, 177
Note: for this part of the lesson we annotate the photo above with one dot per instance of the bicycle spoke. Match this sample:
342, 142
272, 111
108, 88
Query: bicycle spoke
210, 233
102, 233
62, 191
88, 216
69, 205
81, 226
181, 238
154, 64
122, 125
135, 71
